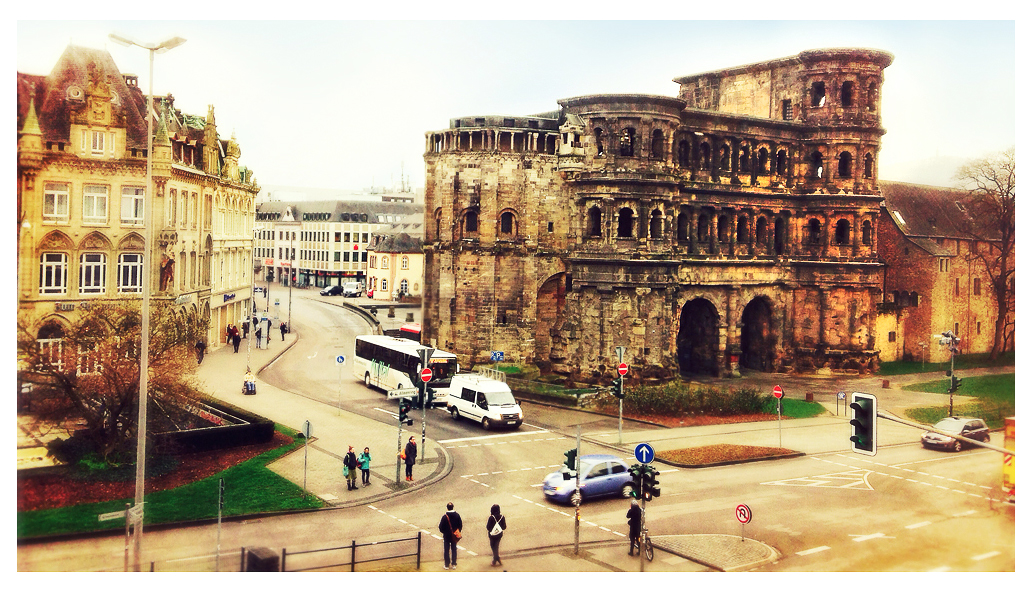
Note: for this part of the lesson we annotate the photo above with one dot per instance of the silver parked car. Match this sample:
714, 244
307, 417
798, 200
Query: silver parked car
968, 427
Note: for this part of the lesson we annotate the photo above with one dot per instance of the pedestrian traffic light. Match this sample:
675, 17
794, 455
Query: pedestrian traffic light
651, 485
955, 383
404, 406
617, 389
571, 456
863, 423
636, 470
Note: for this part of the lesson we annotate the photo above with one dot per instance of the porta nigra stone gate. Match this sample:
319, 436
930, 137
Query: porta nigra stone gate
732, 226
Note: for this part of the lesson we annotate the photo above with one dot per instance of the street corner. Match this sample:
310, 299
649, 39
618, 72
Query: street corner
722, 552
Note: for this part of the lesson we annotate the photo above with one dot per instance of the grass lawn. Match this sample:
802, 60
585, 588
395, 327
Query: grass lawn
795, 408
961, 363
250, 488
996, 399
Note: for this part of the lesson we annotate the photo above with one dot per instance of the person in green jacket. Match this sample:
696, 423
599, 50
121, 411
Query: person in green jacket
364, 466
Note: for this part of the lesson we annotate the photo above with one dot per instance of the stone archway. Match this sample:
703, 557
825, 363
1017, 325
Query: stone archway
757, 337
697, 342
549, 305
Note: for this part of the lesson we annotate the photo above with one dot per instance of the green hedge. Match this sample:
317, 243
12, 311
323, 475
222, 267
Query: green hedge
678, 398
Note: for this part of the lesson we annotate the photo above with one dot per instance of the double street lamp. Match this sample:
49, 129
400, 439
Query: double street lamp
145, 305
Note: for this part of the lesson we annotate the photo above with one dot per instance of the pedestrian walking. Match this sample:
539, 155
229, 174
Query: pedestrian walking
283, 330
450, 526
235, 335
245, 325
635, 525
496, 524
350, 464
200, 347
410, 454
229, 332
269, 329
364, 466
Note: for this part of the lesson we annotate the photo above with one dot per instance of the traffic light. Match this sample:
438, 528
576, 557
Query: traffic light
571, 455
617, 389
404, 406
651, 486
955, 383
863, 423
636, 470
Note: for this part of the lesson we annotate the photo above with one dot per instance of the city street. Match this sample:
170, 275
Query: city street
906, 509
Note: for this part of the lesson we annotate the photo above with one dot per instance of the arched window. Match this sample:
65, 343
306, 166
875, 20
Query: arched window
657, 144
595, 225
683, 154
51, 344
742, 230
384, 284
816, 164
866, 233
868, 165
723, 229
818, 93
780, 236
703, 224
724, 161
508, 223
761, 231
656, 224
438, 224
844, 165
599, 141
628, 142
625, 222
403, 287
744, 165
847, 94
872, 97
682, 227
470, 224
762, 161
705, 156
405, 262
781, 162
814, 231
842, 233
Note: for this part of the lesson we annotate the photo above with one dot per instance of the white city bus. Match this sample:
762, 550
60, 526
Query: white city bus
386, 362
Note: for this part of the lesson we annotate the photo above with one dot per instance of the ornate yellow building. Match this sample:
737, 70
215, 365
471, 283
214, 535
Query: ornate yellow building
82, 155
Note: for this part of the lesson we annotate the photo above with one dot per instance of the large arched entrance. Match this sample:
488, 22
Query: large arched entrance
698, 338
757, 339
549, 306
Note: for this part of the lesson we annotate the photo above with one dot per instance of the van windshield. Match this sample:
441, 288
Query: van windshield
500, 398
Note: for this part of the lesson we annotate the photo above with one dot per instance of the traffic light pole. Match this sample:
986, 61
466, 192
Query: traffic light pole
577, 487
621, 387
398, 453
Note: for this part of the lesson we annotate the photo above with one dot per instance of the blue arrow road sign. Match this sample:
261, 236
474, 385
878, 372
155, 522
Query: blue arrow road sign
644, 453
340, 359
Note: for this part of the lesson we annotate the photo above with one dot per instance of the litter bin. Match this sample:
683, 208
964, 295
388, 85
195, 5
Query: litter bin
262, 560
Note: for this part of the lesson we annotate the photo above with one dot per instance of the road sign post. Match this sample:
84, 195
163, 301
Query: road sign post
340, 384
621, 385
307, 432
743, 515
425, 378
777, 392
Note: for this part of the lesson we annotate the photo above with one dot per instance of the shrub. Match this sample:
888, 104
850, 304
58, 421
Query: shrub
677, 398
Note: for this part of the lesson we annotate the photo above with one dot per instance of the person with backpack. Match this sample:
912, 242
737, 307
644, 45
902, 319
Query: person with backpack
496, 524
350, 464
364, 466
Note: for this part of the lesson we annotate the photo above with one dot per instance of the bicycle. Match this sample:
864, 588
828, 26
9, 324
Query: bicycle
649, 545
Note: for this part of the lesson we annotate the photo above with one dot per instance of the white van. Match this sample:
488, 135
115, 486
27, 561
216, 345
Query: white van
485, 400
353, 289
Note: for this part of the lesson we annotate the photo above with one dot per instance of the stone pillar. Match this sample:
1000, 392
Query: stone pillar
734, 154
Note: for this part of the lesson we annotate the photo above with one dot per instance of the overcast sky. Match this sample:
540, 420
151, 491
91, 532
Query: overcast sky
345, 104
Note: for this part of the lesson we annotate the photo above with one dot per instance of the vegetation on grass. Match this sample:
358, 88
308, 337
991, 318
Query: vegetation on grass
719, 453
795, 408
250, 488
963, 362
682, 399
996, 399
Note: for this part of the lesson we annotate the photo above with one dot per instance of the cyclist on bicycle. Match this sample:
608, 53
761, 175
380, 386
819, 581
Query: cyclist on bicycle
635, 525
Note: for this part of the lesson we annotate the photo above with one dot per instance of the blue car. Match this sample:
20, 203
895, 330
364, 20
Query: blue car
601, 475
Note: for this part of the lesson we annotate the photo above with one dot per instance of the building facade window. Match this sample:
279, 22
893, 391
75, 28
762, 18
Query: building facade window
95, 204
405, 262
133, 205
384, 262
404, 287
93, 269
130, 271
384, 284
55, 202
97, 143
976, 287
53, 273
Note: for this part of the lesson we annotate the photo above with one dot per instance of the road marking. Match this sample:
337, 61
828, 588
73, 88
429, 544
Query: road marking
964, 513
918, 525
494, 436
855, 479
812, 550
986, 555
939, 570
858, 538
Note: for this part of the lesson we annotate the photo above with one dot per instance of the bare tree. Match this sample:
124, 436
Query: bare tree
991, 203
90, 374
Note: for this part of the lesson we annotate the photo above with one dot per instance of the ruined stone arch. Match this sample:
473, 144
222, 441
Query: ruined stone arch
437, 225
845, 165
508, 224
758, 339
683, 154
656, 224
697, 343
594, 223
657, 144
626, 222
550, 302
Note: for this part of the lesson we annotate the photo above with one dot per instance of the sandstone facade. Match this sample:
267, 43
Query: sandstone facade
733, 225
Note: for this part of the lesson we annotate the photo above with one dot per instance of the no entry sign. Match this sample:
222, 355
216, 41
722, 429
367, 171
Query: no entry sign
622, 369
425, 375
777, 392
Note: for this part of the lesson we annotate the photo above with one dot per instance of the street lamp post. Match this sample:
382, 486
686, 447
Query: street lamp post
145, 305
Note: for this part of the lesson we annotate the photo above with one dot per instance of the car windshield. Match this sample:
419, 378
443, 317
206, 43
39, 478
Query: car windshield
950, 425
500, 398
